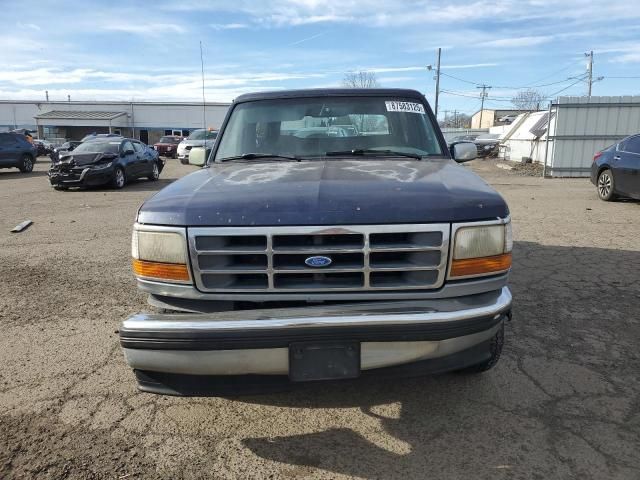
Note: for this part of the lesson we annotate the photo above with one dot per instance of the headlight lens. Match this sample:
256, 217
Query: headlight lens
160, 255
101, 166
481, 250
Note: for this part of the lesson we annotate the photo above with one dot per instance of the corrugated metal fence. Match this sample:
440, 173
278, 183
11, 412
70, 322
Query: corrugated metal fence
582, 126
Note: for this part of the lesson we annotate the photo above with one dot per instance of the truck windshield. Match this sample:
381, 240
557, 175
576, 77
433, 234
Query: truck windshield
329, 127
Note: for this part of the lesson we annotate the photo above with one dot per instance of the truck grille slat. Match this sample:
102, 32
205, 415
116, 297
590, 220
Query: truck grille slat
272, 259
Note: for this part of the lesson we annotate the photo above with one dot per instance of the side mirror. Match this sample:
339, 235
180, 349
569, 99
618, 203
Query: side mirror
198, 156
464, 151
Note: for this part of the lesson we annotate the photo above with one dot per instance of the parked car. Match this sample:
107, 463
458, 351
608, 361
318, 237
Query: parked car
168, 146
301, 259
487, 144
44, 147
462, 138
101, 161
17, 152
65, 147
197, 138
615, 171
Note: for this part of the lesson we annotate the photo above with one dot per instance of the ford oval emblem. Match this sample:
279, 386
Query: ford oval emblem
318, 261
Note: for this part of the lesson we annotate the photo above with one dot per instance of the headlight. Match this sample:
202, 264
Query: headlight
160, 255
101, 166
481, 250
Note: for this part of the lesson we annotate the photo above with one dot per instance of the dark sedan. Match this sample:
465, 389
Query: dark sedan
168, 146
487, 144
105, 161
63, 149
615, 171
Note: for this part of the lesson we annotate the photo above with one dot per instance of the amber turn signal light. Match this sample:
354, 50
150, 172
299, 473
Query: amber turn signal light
162, 271
481, 265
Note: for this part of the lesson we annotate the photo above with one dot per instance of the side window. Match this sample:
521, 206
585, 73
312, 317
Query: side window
632, 145
4, 140
138, 147
127, 146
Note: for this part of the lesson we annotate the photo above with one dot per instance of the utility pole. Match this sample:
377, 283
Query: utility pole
430, 67
446, 114
204, 111
483, 95
455, 118
590, 70
438, 81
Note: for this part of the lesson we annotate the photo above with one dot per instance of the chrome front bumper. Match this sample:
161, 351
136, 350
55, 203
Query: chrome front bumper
257, 341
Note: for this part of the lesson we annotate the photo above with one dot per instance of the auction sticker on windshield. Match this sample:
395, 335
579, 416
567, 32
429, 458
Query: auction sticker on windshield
405, 107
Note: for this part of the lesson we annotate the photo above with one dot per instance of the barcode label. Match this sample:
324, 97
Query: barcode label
405, 107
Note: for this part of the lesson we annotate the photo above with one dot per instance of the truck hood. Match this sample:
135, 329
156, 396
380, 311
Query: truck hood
332, 192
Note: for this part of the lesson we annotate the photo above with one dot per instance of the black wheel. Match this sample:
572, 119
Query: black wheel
155, 172
606, 185
26, 163
174, 155
496, 349
119, 179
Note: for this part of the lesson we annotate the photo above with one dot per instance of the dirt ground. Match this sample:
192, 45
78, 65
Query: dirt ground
562, 403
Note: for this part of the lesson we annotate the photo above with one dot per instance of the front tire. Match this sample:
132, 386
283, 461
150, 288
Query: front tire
119, 179
26, 163
606, 185
155, 172
495, 348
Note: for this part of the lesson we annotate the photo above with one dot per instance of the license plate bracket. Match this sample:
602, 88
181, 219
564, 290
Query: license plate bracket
310, 361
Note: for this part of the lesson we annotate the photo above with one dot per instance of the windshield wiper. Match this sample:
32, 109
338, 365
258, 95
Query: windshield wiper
253, 156
362, 152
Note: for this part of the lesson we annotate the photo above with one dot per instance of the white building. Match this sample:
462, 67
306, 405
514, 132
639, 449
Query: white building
146, 121
578, 128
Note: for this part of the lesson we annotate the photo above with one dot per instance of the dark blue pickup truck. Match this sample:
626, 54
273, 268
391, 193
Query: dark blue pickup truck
331, 234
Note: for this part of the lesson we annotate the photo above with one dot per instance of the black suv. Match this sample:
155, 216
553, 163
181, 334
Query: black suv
17, 152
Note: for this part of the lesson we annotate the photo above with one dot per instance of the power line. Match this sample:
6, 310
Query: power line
553, 95
459, 79
532, 85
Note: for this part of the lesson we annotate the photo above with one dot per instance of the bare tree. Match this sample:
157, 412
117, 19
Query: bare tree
528, 99
360, 80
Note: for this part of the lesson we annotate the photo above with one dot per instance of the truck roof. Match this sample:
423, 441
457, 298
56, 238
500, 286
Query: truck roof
330, 92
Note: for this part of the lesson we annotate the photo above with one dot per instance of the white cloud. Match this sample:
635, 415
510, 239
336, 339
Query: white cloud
31, 26
228, 26
517, 42
468, 65
144, 29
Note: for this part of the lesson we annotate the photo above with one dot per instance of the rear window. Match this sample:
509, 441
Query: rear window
203, 134
98, 146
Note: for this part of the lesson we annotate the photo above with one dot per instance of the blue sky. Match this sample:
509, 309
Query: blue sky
150, 50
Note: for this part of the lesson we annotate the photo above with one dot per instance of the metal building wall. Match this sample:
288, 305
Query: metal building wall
582, 126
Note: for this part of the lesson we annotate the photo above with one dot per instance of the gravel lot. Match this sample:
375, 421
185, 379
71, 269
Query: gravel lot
562, 403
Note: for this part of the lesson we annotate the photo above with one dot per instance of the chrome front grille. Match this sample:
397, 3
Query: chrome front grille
363, 257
